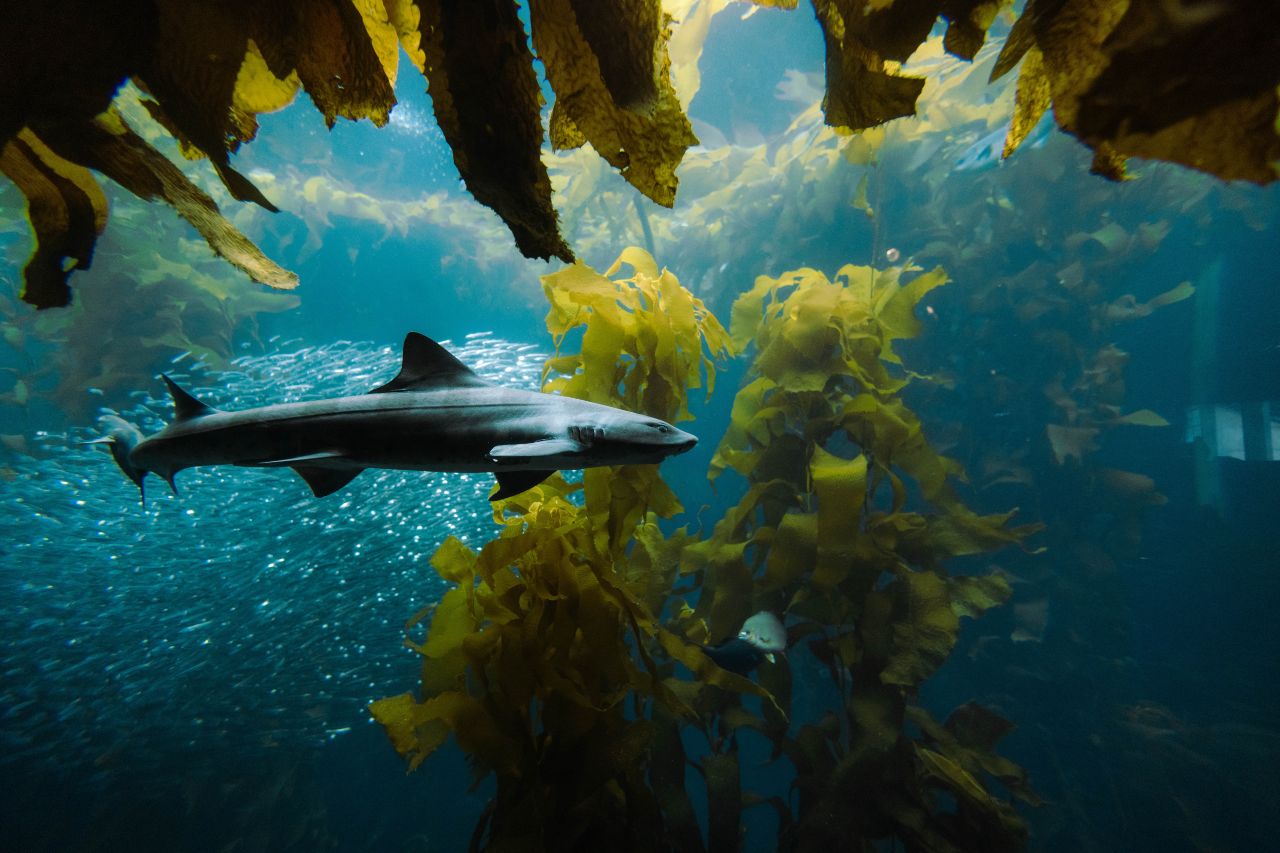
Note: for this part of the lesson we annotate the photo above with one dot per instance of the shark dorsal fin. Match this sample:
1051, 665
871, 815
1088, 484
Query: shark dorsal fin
185, 407
427, 365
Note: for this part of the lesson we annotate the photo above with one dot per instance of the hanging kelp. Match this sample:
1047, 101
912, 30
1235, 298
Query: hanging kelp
1161, 81
486, 100
1196, 87
607, 63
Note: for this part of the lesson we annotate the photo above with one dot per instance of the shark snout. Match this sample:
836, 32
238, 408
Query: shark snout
683, 441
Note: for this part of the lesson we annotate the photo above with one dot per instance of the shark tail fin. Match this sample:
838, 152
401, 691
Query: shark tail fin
121, 437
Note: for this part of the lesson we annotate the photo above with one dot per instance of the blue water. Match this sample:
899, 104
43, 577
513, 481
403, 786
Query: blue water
192, 674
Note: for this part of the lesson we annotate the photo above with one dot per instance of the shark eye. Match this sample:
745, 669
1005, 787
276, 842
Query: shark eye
662, 428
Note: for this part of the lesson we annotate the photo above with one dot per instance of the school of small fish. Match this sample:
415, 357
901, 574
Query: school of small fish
243, 613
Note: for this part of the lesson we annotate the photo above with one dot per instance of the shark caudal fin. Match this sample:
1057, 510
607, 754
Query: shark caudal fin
121, 437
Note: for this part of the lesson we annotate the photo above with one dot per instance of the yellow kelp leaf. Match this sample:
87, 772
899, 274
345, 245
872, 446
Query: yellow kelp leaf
960, 531
861, 93
841, 487
647, 340
793, 552
383, 35
1134, 79
412, 734
860, 196
1142, 417
1127, 307
644, 139
955, 777
1071, 442
896, 313
110, 146
1032, 99
406, 18
454, 561
746, 318
973, 595
67, 211
451, 622
257, 89
926, 633
478, 58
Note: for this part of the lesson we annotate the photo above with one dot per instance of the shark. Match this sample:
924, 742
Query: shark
435, 415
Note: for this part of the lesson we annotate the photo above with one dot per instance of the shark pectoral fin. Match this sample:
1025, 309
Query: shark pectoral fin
534, 450
326, 481
511, 483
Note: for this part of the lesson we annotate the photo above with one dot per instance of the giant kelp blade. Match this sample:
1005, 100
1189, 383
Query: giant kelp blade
1149, 80
197, 69
860, 93
1032, 98
67, 210
620, 36
1201, 58
108, 145
486, 100
624, 106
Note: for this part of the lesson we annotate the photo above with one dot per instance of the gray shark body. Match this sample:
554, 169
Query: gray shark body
436, 415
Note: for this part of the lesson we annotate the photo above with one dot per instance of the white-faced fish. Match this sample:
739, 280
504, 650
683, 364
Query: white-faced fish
762, 638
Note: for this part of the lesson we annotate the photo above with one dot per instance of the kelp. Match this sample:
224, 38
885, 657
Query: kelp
477, 56
536, 661
67, 210
847, 523
608, 66
177, 298
1196, 87
550, 666
211, 68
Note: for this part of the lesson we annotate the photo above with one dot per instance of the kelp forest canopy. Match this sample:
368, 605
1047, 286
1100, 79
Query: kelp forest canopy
1193, 83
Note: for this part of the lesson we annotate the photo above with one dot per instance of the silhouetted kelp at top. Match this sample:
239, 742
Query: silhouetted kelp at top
565, 662
1126, 79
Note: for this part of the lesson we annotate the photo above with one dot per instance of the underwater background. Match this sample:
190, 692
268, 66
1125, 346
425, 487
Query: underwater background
195, 673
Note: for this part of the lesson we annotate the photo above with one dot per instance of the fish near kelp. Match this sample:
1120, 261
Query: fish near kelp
762, 638
435, 415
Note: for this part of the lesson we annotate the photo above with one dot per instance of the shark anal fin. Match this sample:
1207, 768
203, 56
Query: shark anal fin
512, 483
185, 407
426, 365
534, 450
326, 481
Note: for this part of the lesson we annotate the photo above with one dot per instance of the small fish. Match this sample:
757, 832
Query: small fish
761, 638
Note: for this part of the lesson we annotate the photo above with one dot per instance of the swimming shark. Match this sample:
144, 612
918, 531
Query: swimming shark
435, 415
